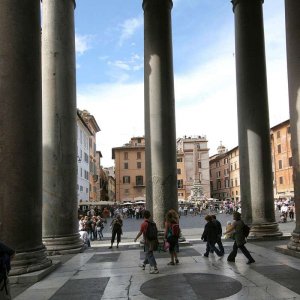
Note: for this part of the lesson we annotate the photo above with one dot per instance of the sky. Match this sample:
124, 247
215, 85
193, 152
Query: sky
109, 38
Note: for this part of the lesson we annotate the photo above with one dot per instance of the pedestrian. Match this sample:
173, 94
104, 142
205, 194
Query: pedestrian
149, 231
239, 239
6, 254
116, 226
210, 236
219, 236
99, 228
172, 232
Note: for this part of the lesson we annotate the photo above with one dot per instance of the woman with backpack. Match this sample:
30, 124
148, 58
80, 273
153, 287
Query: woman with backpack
172, 232
239, 239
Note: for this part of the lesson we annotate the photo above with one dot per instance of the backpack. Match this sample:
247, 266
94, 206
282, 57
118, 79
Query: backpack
175, 230
4, 269
151, 232
246, 230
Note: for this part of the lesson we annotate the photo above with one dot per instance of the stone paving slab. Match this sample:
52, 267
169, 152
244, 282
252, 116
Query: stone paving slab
115, 275
82, 289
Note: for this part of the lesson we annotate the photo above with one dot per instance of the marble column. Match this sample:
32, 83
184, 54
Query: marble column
292, 19
21, 135
253, 120
60, 223
160, 108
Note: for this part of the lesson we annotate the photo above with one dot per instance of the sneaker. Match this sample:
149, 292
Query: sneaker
171, 263
154, 271
142, 266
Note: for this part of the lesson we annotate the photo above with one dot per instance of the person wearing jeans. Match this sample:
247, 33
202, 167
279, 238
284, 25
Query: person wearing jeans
210, 236
148, 245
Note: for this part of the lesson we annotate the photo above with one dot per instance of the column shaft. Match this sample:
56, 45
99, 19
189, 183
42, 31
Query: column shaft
60, 223
253, 120
21, 134
292, 19
160, 108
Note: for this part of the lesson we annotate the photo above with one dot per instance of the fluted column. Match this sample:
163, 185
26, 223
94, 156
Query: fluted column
60, 224
292, 19
160, 108
21, 134
253, 120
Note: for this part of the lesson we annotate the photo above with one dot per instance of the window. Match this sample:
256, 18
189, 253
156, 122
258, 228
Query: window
126, 165
279, 148
81, 188
231, 167
178, 171
126, 179
218, 174
126, 155
86, 190
199, 165
235, 166
180, 184
218, 184
290, 161
236, 182
280, 180
231, 182
289, 129
86, 157
278, 134
138, 155
139, 180
225, 161
139, 165
179, 159
280, 164
236, 192
126, 191
139, 140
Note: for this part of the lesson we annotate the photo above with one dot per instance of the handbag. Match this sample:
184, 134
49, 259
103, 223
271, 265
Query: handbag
166, 245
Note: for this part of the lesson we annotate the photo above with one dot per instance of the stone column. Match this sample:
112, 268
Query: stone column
292, 19
253, 120
160, 108
60, 223
21, 135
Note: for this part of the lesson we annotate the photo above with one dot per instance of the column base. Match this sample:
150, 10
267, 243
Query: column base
30, 261
264, 231
63, 245
294, 243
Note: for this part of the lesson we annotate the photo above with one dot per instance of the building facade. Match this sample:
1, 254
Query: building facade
93, 176
193, 166
83, 165
282, 160
130, 170
220, 174
234, 174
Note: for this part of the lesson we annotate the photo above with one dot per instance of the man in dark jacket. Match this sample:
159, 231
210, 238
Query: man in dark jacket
6, 254
219, 237
210, 236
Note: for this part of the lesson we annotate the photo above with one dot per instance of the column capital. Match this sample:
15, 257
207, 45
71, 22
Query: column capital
155, 3
236, 2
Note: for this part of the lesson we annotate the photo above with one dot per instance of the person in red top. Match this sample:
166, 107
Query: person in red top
148, 245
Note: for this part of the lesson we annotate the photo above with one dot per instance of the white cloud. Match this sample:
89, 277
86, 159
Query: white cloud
129, 27
119, 111
82, 43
